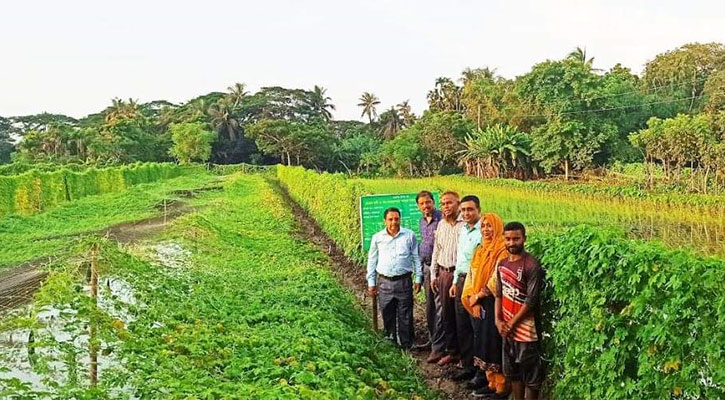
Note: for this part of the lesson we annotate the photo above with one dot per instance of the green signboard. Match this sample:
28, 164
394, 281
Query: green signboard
372, 208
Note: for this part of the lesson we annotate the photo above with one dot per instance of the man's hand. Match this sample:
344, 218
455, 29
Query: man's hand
434, 285
416, 288
504, 328
373, 290
472, 300
476, 311
453, 291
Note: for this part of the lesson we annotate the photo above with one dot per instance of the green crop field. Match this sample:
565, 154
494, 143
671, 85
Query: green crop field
245, 311
624, 318
226, 301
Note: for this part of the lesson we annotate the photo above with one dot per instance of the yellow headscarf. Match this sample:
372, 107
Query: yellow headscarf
485, 259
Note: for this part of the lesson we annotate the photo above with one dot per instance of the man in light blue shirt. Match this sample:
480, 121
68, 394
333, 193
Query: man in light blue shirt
392, 259
469, 237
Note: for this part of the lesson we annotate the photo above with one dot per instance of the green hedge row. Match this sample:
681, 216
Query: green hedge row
35, 191
20, 167
331, 200
623, 319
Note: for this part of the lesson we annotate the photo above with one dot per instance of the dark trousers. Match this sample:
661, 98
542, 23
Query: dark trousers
464, 328
448, 312
433, 314
396, 306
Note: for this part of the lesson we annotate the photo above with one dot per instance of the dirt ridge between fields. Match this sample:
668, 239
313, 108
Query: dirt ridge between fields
352, 275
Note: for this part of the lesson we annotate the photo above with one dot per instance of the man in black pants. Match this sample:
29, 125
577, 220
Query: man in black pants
392, 259
428, 224
468, 238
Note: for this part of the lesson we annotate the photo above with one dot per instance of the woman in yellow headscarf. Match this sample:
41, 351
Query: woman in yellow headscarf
478, 299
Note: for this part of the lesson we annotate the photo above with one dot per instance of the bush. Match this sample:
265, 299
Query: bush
631, 319
331, 200
35, 190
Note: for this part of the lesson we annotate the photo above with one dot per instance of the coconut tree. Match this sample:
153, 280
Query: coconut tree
237, 93
580, 54
319, 102
223, 120
406, 113
368, 101
391, 123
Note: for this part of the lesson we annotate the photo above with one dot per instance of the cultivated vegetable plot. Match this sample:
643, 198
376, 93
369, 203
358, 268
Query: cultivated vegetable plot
625, 319
227, 305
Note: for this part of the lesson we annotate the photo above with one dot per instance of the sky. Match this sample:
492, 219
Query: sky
73, 57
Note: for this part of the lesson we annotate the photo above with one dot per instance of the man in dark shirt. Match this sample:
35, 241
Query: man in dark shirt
428, 224
518, 283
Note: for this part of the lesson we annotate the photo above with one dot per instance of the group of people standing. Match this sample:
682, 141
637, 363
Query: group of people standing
482, 291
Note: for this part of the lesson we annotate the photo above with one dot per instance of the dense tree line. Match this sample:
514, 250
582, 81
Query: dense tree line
562, 116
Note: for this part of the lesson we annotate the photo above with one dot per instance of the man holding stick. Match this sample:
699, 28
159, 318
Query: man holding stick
392, 259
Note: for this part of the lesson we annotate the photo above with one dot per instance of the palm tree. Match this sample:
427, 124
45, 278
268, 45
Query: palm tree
446, 96
469, 74
580, 54
406, 113
120, 109
319, 103
391, 123
237, 93
498, 151
223, 120
368, 101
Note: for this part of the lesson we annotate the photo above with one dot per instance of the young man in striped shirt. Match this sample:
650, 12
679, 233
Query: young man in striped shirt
518, 283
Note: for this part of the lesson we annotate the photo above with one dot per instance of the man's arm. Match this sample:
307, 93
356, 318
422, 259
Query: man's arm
372, 263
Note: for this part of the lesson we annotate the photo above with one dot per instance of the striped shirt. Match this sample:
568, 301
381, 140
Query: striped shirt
445, 246
518, 283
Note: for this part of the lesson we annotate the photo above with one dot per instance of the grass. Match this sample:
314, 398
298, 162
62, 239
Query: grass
29, 237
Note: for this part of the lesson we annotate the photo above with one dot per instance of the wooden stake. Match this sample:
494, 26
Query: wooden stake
92, 346
375, 312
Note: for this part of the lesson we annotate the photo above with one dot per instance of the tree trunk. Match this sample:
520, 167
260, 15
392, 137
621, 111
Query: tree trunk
566, 169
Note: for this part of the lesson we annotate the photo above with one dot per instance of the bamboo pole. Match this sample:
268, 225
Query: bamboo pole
92, 345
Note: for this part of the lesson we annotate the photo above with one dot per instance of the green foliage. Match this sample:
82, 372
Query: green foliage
681, 74
631, 319
36, 191
562, 92
331, 200
30, 237
496, 152
623, 319
249, 311
683, 141
191, 142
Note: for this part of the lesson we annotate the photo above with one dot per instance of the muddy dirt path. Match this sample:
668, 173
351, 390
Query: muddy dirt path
352, 276
17, 284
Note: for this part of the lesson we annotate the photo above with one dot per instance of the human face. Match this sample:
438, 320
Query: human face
449, 206
487, 229
392, 223
514, 241
470, 213
426, 206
